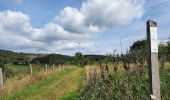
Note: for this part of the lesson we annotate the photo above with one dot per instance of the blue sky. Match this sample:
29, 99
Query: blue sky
57, 26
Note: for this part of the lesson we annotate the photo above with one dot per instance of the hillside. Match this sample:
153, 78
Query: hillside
7, 56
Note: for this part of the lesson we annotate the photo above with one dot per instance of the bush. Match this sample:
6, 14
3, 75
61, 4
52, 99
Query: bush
8, 72
15, 63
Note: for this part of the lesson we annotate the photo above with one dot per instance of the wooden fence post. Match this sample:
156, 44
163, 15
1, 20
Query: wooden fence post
152, 42
46, 67
1, 79
31, 69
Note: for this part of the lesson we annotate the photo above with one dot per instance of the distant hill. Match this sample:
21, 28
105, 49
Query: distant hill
7, 56
54, 59
95, 57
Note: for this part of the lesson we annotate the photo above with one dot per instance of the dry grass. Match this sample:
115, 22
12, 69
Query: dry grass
90, 69
95, 69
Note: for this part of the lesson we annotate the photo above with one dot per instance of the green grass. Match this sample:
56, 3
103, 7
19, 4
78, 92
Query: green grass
11, 70
18, 69
74, 94
61, 85
69, 84
165, 83
34, 89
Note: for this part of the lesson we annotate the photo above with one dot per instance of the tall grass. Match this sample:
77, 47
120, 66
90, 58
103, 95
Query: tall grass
123, 85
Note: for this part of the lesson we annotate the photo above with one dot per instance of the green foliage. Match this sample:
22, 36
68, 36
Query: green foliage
11, 70
95, 57
109, 58
90, 60
79, 59
131, 85
3, 60
140, 44
134, 84
58, 59
163, 49
165, 83
8, 72
7, 56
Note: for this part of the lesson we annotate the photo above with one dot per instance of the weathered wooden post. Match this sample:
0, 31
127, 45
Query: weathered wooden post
152, 41
1, 79
31, 69
46, 67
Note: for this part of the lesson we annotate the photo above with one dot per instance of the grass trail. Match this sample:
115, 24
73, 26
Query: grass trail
62, 85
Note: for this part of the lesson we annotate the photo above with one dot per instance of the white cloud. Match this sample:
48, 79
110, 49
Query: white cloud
15, 22
73, 21
70, 26
96, 15
108, 13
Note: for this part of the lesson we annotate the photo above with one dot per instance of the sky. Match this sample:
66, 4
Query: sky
58, 26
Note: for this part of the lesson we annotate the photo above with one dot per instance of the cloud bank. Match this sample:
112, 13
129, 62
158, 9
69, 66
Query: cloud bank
70, 26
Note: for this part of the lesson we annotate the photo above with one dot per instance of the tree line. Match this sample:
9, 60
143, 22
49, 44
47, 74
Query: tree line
138, 48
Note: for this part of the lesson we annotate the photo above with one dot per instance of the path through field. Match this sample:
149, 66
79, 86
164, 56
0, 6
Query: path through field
62, 85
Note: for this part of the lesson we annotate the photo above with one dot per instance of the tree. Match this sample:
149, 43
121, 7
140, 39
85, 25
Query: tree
138, 52
138, 45
79, 61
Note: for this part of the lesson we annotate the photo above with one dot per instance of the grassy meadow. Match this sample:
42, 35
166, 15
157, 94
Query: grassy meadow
77, 83
58, 83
